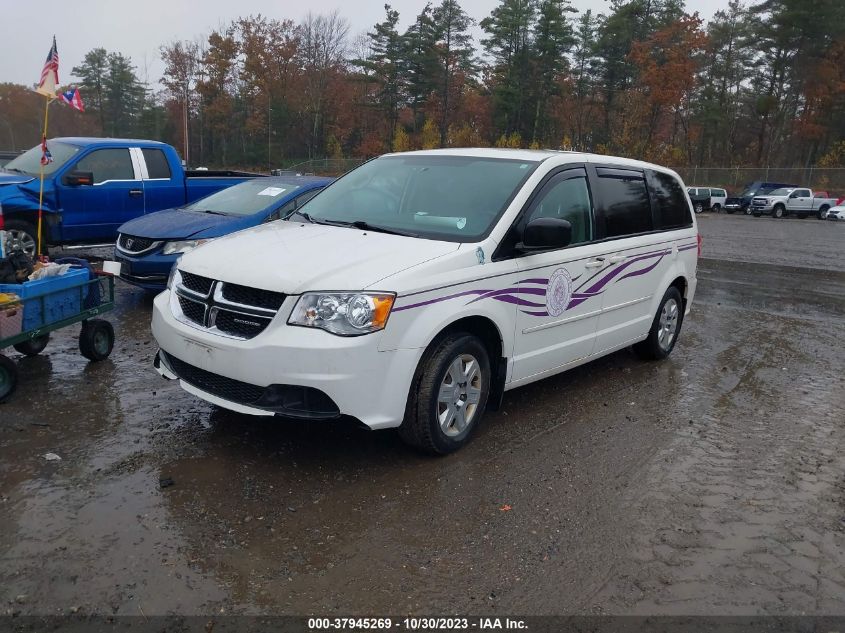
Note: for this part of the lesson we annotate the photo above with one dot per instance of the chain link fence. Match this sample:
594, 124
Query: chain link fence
733, 179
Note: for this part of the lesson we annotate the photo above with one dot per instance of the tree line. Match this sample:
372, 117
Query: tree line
757, 85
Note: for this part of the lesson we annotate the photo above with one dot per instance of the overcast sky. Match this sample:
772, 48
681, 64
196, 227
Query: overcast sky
137, 29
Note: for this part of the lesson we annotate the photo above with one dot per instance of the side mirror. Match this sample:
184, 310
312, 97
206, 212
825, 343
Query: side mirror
76, 178
543, 234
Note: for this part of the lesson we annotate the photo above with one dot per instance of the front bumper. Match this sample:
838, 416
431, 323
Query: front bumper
352, 376
146, 271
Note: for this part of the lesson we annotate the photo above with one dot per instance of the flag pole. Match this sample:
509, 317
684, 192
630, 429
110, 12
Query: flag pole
41, 175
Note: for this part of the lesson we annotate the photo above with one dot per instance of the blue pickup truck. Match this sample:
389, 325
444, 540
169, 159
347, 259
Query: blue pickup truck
93, 185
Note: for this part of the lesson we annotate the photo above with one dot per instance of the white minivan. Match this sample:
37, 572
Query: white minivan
418, 288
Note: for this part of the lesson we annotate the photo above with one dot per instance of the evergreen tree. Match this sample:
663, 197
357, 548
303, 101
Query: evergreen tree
509, 45
385, 66
553, 38
583, 58
420, 62
455, 55
92, 73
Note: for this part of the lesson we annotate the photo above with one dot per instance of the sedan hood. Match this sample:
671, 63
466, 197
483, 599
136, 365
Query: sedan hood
177, 224
293, 258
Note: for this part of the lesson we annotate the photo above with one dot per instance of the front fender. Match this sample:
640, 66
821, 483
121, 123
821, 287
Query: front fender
419, 317
23, 199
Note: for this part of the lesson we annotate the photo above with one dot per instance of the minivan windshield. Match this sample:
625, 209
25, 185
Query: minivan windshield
30, 161
453, 198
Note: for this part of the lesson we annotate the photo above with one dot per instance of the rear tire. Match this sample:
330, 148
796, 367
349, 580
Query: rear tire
717, 208
33, 347
448, 395
8, 378
665, 327
699, 207
96, 340
822, 214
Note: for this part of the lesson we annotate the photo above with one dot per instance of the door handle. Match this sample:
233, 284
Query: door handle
615, 259
136, 193
595, 263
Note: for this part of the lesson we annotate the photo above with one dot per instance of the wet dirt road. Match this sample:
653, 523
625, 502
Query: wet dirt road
713, 482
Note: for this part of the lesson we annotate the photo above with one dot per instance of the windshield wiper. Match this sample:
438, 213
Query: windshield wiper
305, 215
366, 226
16, 170
214, 212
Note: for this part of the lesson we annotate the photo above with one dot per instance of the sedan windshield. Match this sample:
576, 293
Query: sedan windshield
30, 161
246, 198
453, 198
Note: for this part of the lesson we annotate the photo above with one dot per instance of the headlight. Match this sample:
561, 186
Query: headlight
345, 314
171, 248
172, 277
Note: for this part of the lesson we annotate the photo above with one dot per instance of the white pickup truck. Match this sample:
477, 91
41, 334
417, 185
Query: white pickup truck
801, 202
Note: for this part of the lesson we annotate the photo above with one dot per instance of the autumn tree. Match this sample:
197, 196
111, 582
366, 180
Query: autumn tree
323, 43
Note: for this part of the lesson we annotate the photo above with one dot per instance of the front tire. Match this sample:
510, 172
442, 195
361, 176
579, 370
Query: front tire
23, 235
448, 395
779, 211
664, 329
96, 340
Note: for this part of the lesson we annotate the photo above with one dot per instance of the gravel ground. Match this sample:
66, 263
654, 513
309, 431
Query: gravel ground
713, 482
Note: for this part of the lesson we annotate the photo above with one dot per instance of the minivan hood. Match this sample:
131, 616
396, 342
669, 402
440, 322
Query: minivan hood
177, 224
292, 257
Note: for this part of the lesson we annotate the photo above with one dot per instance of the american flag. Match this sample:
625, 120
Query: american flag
50, 72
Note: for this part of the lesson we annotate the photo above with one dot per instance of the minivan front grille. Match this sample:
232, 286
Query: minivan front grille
196, 283
222, 308
253, 296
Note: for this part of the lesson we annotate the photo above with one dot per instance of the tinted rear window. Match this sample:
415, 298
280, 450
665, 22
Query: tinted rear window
627, 209
157, 166
672, 208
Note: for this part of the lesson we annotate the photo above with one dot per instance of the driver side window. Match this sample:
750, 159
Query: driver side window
566, 197
108, 164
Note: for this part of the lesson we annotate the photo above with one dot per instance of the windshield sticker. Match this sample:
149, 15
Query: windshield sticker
271, 191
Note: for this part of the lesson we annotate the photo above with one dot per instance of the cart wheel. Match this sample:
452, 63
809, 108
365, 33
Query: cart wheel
8, 378
33, 347
96, 339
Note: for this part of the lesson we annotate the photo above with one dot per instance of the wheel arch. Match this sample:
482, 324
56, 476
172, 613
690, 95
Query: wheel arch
491, 336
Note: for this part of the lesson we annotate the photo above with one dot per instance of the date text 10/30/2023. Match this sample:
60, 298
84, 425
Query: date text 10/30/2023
417, 623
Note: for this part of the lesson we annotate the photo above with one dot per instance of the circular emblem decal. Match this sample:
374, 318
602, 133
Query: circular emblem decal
558, 292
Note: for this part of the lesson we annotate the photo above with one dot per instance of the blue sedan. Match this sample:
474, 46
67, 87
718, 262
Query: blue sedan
148, 246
